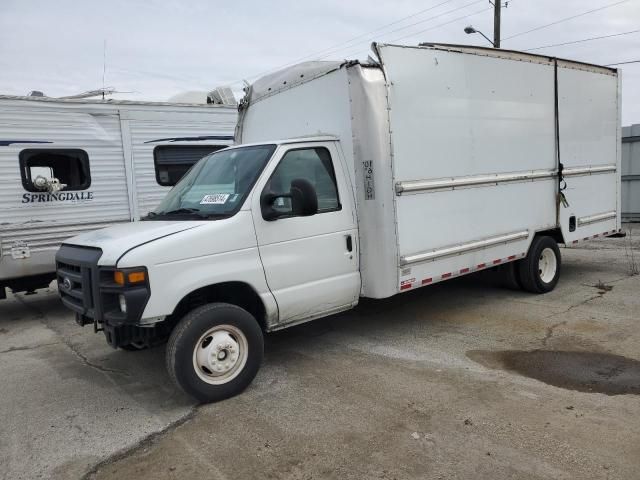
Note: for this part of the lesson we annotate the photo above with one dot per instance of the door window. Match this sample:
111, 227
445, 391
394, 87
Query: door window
312, 164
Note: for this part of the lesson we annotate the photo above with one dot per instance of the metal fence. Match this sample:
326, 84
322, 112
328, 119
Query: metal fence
631, 173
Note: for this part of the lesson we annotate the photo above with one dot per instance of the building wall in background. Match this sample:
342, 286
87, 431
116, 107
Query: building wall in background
631, 173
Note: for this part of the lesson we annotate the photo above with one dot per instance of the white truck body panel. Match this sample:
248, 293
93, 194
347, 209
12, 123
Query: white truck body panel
464, 166
119, 138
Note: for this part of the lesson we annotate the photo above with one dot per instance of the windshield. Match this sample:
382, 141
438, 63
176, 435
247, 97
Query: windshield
216, 186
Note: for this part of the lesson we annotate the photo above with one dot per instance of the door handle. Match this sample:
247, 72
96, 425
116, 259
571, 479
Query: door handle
349, 243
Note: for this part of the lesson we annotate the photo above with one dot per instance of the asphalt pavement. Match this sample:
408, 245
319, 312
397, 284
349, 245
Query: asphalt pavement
463, 379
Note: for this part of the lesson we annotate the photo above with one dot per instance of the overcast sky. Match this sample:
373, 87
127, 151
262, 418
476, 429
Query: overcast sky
157, 48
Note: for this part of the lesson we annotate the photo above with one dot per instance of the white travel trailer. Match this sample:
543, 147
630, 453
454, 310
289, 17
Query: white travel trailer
354, 181
69, 166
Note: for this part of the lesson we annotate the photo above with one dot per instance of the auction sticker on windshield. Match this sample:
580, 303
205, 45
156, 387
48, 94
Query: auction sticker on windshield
215, 199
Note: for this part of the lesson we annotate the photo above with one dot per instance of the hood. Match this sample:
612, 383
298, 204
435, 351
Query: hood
116, 240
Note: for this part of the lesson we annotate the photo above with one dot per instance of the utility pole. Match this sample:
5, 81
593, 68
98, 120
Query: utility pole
497, 4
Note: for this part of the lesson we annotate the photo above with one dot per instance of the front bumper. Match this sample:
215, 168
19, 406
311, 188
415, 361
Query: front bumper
89, 291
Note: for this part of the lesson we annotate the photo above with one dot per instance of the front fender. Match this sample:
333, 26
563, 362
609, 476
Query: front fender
170, 282
218, 252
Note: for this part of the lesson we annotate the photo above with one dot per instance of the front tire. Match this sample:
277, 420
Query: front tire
215, 351
540, 270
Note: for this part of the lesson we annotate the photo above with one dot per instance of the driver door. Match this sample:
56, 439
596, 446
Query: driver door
310, 262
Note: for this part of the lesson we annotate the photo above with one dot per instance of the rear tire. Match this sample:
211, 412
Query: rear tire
215, 351
539, 271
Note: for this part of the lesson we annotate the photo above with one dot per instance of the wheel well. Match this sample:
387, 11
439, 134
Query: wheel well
554, 233
235, 293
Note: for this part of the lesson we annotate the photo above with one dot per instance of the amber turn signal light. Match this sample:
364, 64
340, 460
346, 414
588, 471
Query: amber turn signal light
118, 277
136, 277
131, 277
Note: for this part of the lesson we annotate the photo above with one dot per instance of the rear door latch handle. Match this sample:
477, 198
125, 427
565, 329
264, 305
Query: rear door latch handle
349, 243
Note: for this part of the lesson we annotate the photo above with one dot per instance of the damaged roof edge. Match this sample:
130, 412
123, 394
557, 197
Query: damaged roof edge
302, 73
293, 76
512, 55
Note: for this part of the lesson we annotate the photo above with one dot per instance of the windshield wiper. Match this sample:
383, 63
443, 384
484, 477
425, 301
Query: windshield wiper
187, 211
178, 211
215, 215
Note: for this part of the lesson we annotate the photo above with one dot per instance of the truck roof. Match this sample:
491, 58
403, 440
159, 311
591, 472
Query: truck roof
513, 55
300, 73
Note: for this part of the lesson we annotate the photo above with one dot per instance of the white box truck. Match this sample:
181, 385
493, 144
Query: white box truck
69, 166
356, 180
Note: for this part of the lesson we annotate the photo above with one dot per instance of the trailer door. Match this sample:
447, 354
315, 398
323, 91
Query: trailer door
588, 118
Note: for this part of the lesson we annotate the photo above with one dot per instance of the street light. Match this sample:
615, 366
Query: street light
469, 30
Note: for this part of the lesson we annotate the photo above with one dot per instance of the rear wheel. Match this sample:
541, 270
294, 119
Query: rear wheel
215, 351
540, 270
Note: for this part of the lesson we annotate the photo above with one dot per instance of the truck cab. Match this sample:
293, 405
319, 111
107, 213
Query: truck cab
263, 230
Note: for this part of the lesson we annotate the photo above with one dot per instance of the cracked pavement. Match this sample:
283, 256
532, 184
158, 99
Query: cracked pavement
389, 390
68, 399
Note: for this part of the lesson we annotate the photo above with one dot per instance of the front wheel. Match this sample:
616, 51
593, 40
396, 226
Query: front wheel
540, 270
215, 351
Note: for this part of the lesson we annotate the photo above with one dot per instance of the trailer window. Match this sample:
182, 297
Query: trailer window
69, 166
173, 161
312, 164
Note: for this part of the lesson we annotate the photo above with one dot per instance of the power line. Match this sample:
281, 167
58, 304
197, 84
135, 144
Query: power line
442, 24
334, 50
430, 18
566, 19
417, 23
428, 29
622, 63
582, 40
382, 27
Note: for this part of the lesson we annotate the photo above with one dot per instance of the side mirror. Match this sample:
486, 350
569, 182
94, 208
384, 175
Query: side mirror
303, 197
266, 206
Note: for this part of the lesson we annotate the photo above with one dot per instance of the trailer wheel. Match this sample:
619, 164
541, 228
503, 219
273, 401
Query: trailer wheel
215, 351
540, 270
